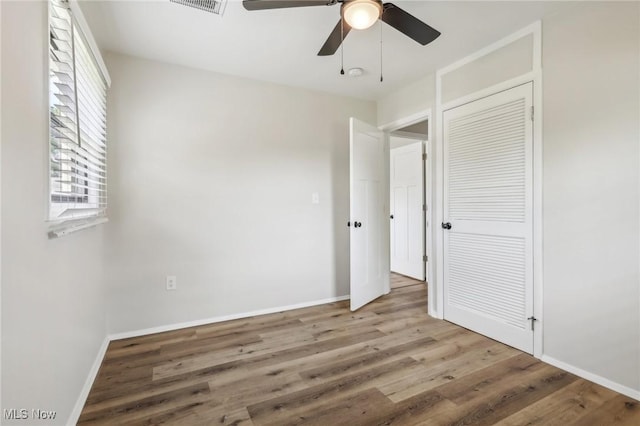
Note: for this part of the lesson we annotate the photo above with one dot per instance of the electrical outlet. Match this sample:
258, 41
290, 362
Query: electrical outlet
172, 283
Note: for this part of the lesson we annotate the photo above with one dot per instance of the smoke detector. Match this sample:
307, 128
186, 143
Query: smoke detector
355, 72
213, 6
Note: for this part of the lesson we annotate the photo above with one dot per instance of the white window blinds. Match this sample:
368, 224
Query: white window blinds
77, 105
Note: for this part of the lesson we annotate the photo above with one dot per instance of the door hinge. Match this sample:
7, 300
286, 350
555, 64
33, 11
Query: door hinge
424, 156
425, 258
533, 321
531, 112
424, 207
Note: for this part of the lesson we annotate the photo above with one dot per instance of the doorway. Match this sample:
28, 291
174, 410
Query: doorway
408, 202
369, 231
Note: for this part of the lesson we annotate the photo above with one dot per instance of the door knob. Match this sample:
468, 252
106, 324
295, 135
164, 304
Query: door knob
446, 225
357, 224
391, 217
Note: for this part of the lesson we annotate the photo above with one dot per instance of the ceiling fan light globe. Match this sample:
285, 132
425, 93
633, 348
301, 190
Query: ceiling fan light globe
361, 14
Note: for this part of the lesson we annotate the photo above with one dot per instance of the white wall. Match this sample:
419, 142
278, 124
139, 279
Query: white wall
421, 128
53, 302
211, 180
411, 99
591, 190
591, 235
500, 65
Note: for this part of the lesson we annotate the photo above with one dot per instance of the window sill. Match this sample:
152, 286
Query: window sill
70, 226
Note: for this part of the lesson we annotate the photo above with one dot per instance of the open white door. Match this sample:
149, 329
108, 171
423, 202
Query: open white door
368, 222
488, 211
406, 219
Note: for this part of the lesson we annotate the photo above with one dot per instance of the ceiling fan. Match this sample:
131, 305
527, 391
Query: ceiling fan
357, 14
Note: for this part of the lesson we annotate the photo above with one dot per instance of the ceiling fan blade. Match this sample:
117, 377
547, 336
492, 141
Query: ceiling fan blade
408, 24
335, 39
281, 4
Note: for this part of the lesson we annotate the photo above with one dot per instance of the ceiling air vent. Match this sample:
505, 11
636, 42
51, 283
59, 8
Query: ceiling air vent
213, 6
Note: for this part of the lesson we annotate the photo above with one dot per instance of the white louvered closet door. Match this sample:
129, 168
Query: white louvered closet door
488, 201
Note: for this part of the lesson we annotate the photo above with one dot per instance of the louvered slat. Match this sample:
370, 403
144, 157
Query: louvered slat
481, 259
495, 166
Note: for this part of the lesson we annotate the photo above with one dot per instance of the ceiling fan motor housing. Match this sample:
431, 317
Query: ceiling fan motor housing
361, 14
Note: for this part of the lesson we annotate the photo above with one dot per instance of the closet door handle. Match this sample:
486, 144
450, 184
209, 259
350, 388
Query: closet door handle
446, 225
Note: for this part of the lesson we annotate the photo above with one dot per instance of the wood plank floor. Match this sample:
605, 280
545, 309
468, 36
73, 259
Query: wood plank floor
399, 281
388, 363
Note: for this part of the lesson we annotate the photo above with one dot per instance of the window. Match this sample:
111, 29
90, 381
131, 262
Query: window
78, 84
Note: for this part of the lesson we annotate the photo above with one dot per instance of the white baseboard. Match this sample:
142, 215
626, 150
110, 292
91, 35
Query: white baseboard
631, 393
171, 327
84, 393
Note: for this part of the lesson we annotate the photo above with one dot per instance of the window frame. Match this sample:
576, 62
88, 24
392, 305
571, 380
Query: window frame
60, 225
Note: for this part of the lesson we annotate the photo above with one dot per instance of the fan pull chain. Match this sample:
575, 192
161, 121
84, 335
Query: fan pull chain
381, 79
341, 45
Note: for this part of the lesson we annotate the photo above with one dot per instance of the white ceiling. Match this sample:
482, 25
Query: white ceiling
281, 45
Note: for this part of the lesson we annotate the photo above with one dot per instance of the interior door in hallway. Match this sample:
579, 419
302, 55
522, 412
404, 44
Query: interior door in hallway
367, 224
407, 216
488, 216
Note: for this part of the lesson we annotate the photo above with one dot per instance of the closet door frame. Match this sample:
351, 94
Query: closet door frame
535, 76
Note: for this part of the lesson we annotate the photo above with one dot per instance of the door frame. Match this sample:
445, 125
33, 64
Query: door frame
534, 76
422, 180
429, 185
